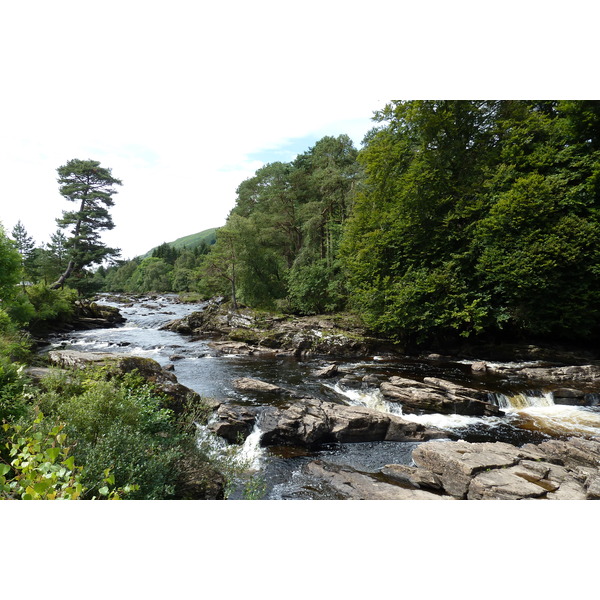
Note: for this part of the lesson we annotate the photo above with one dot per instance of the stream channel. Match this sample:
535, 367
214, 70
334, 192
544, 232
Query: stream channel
531, 415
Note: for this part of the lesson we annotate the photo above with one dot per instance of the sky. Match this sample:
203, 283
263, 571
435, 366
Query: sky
183, 100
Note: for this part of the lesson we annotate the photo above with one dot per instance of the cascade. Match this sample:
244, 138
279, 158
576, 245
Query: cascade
522, 400
369, 398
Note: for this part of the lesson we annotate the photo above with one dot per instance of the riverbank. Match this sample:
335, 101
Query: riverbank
313, 416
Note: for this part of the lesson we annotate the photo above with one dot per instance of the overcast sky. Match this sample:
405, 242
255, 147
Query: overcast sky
183, 100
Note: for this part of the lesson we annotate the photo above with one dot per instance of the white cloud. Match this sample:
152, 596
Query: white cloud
178, 98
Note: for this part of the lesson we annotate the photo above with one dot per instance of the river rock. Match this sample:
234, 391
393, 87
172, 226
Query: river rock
437, 396
165, 382
234, 422
290, 336
326, 372
310, 422
350, 484
413, 476
552, 470
247, 384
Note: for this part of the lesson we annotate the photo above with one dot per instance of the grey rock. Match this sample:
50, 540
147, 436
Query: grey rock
413, 476
326, 372
309, 422
350, 484
247, 384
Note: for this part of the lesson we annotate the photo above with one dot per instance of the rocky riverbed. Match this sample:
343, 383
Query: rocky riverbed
378, 405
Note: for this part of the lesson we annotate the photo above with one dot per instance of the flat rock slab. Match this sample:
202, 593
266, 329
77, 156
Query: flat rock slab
553, 470
349, 484
433, 395
247, 384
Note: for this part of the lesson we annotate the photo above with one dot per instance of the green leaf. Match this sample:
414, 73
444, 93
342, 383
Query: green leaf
103, 490
53, 453
4, 469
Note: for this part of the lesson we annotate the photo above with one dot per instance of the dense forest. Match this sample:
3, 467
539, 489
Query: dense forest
455, 220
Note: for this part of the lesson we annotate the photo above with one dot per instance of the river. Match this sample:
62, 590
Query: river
531, 414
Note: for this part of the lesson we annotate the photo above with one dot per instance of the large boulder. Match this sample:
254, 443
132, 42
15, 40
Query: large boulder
233, 422
310, 422
434, 395
553, 470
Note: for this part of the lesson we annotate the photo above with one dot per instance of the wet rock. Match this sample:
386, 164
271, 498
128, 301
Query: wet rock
310, 422
479, 367
247, 384
350, 484
437, 396
418, 478
233, 422
326, 372
575, 376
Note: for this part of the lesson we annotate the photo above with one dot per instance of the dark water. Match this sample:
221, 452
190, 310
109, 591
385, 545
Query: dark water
280, 470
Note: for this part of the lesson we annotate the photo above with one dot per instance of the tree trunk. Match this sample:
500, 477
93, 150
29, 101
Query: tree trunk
61, 280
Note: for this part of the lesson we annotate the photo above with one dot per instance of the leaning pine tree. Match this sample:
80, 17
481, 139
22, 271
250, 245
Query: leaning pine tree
90, 186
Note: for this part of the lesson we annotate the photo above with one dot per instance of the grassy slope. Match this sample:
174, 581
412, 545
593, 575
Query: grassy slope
190, 241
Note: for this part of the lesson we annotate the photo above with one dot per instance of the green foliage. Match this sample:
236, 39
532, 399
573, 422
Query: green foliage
91, 187
10, 269
152, 275
118, 424
315, 288
40, 466
12, 385
478, 218
50, 304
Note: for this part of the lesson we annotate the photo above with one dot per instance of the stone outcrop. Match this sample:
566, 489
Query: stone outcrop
552, 470
346, 483
248, 384
85, 316
434, 395
164, 381
309, 422
283, 335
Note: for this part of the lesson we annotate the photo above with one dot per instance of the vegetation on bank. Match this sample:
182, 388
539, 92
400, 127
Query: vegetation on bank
456, 220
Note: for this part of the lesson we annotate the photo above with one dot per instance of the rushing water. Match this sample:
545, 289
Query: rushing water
530, 415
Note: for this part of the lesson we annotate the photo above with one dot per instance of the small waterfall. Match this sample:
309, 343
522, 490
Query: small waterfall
368, 398
374, 399
522, 400
251, 452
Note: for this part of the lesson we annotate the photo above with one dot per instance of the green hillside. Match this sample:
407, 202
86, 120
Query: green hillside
190, 241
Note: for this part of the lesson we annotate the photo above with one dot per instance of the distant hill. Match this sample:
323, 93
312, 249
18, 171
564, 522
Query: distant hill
190, 241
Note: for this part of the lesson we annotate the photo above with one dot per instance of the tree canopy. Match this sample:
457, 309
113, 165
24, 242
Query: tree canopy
91, 188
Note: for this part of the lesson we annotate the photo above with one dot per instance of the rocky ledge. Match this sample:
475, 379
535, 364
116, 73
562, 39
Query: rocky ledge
247, 331
434, 395
86, 315
309, 422
176, 395
553, 470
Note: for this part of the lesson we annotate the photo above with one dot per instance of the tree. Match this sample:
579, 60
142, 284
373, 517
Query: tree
91, 186
26, 248
10, 263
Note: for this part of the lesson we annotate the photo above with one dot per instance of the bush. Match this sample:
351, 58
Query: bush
118, 424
